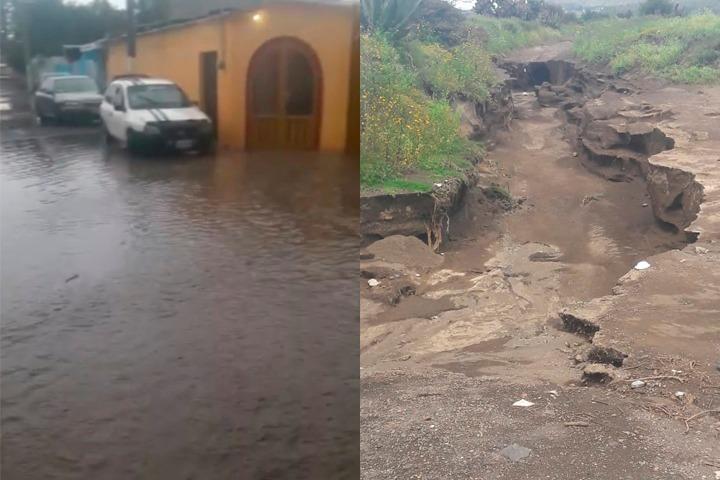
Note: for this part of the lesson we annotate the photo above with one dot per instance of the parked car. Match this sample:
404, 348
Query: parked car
67, 97
145, 113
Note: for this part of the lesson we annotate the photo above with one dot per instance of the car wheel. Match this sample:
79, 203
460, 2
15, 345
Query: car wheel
109, 139
132, 142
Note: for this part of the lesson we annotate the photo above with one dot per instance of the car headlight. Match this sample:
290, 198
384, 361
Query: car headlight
152, 129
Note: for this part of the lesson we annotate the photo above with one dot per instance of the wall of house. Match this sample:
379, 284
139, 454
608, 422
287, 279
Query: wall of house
175, 54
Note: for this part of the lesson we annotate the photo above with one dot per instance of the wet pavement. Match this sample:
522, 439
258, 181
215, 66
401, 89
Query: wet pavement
176, 317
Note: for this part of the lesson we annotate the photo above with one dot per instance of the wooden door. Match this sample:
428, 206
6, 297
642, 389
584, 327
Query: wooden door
284, 95
209, 86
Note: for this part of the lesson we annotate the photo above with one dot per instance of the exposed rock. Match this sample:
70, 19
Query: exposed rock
575, 324
598, 373
606, 355
515, 452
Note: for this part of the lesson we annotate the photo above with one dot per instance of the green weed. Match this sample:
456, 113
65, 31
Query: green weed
681, 49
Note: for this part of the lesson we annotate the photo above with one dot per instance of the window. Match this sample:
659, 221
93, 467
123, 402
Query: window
300, 85
118, 99
156, 96
265, 84
110, 94
75, 85
46, 85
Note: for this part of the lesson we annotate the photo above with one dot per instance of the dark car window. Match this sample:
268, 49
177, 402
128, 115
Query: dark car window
46, 85
110, 93
74, 85
156, 96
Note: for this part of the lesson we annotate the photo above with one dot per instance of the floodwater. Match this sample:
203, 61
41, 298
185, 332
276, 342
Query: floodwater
177, 317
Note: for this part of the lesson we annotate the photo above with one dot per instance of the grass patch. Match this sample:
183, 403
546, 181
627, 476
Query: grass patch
410, 131
680, 49
503, 35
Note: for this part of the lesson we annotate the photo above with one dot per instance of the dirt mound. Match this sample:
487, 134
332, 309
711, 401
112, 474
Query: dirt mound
408, 251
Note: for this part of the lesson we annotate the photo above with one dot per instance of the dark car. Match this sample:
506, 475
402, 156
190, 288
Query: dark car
68, 97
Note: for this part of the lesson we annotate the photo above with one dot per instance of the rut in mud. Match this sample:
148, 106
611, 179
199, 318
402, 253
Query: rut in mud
549, 226
570, 198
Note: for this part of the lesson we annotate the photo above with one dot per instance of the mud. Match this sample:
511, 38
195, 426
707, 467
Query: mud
538, 312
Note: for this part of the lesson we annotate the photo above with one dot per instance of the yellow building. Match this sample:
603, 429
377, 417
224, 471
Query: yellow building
277, 76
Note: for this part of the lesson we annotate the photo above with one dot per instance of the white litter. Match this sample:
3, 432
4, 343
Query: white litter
373, 282
438, 184
523, 403
637, 384
554, 393
642, 265
679, 395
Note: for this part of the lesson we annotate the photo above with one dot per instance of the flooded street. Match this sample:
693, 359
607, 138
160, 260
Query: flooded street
176, 317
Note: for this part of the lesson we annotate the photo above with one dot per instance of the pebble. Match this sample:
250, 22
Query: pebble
637, 384
373, 282
515, 452
642, 265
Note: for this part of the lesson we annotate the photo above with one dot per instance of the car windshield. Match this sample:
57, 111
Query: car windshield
156, 96
75, 85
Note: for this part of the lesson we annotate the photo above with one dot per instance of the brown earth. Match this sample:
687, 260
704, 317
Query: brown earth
449, 345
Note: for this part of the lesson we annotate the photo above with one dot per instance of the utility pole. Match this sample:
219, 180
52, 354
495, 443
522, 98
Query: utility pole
25, 18
130, 35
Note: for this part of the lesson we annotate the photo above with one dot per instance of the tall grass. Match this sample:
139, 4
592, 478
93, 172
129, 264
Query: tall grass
402, 128
503, 35
681, 49
410, 131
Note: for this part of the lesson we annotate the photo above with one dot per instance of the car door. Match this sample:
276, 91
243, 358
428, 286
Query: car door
107, 109
119, 113
44, 98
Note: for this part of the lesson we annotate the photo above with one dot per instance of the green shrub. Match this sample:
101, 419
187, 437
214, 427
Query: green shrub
657, 7
402, 128
465, 70
506, 34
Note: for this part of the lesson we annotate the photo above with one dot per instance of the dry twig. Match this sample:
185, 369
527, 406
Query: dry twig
700, 414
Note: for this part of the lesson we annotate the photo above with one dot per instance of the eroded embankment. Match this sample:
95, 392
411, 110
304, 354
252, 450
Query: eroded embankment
427, 215
618, 137
518, 304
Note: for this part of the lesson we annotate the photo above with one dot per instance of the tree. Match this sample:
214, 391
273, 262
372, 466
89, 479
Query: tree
153, 11
47, 25
389, 16
547, 14
441, 21
657, 7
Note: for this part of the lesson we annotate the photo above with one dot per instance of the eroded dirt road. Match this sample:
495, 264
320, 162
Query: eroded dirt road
449, 342
174, 317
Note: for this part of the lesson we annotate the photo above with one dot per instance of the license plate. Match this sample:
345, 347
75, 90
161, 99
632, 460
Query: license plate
184, 144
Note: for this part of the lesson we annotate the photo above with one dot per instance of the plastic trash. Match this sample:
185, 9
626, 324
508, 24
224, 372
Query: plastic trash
637, 384
642, 265
373, 282
523, 403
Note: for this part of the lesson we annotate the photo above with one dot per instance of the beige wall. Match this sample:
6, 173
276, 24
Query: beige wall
175, 54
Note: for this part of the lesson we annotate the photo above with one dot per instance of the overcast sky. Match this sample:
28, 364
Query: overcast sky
117, 3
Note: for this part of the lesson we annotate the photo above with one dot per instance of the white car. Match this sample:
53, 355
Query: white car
152, 113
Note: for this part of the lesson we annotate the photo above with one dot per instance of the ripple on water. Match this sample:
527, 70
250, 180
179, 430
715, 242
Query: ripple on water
213, 299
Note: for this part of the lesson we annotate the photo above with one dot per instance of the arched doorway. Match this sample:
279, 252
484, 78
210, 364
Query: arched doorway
284, 97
